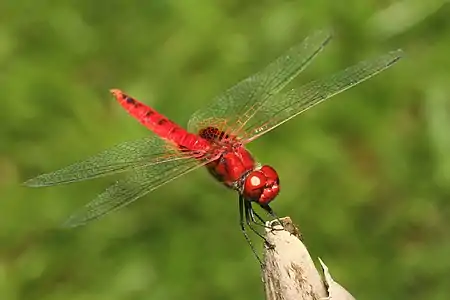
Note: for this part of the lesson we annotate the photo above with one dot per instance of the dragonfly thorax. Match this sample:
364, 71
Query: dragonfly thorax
237, 169
261, 185
213, 134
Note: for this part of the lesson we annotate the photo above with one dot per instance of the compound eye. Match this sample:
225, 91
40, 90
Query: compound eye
262, 186
270, 174
254, 185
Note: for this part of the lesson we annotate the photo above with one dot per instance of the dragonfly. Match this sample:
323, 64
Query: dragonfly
216, 137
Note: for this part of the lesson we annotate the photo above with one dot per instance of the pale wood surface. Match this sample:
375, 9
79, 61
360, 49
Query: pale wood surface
289, 272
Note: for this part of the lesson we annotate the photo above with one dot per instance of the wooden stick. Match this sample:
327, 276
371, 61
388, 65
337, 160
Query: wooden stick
289, 272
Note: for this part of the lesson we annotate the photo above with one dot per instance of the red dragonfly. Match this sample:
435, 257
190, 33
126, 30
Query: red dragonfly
216, 136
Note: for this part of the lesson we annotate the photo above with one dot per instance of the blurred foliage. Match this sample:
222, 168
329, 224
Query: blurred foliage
366, 175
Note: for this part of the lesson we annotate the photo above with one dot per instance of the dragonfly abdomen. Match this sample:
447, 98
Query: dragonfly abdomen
160, 124
146, 115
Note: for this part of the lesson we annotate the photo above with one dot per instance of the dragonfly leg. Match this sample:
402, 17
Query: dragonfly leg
249, 218
270, 211
253, 213
242, 210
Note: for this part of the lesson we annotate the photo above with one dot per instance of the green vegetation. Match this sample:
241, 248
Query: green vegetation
366, 175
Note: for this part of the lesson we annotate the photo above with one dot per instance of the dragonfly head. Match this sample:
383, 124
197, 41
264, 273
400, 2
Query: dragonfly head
261, 185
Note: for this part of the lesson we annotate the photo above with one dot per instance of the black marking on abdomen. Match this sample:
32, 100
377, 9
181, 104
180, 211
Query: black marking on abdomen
161, 121
130, 100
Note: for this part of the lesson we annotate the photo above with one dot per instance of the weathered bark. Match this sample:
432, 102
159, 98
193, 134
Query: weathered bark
289, 272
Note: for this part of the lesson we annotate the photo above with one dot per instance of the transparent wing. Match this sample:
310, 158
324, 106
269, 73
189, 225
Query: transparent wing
231, 110
120, 158
283, 107
138, 183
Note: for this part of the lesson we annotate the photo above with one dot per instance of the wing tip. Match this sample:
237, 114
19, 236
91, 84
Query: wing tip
42, 181
395, 56
33, 182
327, 31
324, 34
73, 222
398, 52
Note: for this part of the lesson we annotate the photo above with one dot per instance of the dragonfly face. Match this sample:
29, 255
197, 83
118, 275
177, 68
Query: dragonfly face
261, 185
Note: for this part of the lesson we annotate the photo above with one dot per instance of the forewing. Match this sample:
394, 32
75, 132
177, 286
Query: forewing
230, 111
120, 158
282, 107
138, 183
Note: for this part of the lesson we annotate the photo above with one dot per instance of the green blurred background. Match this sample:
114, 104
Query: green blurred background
366, 175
